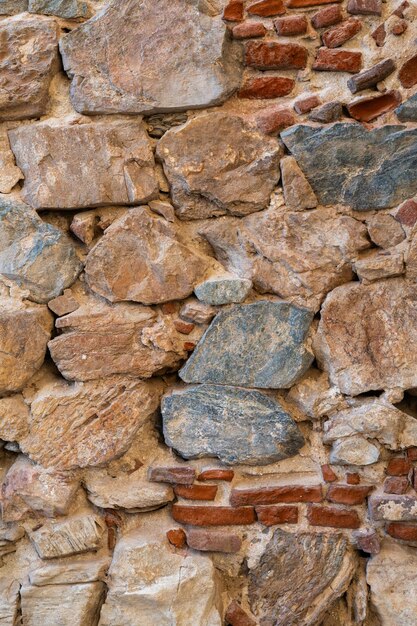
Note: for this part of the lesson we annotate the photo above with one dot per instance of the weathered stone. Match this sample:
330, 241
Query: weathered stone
197, 312
212, 541
30, 248
84, 165
396, 484
217, 163
291, 254
14, 418
346, 163
367, 540
236, 425
70, 572
101, 340
25, 78
372, 76
73, 535
391, 575
407, 111
253, 345
355, 450
10, 174
9, 600
25, 331
94, 422
385, 231
142, 258
149, 583
327, 113
314, 395
111, 74
362, 348
380, 264
298, 193
10, 7
177, 537
224, 289
236, 616
298, 577
62, 305
67, 9
393, 508
172, 475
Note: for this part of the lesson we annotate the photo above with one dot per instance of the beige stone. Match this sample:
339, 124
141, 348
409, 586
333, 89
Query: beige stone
9, 601
10, 174
14, 418
73, 535
380, 264
384, 230
314, 396
355, 450
298, 192
71, 571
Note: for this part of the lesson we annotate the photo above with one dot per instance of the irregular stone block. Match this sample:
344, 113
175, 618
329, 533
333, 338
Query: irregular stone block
236, 425
346, 163
10, 174
62, 305
85, 165
73, 535
327, 113
407, 111
172, 475
212, 541
314, 395
113, 74
372, 76
14, 418
253, 345
298, 192
236, 615
385, 230
70, 572
67, 9
217, 163
9, 599
380, 264
353, 451
223, 290
11, 7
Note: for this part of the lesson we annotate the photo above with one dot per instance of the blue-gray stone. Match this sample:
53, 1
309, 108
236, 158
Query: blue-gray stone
36, 255
253, 345
348, 164
407, 111
235, 425
11, 7
67, 9
223, 290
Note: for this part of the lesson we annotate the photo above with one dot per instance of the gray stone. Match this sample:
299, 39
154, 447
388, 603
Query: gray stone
30, 248
355, 450
11, 7
393, 508
253, 345
223, 290
348, 164
235, 425
67, 9
122, 74
407, 111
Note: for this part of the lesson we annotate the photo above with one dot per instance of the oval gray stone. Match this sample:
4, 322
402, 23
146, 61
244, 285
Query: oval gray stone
223, 290
235, 425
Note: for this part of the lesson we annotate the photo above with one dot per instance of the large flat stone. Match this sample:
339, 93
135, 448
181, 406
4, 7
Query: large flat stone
217, 163
253, 345
74, 534
186, 43
84, 165
235, 425
348, 164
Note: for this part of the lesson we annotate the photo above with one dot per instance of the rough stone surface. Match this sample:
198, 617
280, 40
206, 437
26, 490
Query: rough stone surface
216, 164
114, 75
73, 535
355, 450
393, 508
385, 231
254, 345
10, 7
314, 395
407, 112
78, 570
223, 290
298, 192
236, 425
14, 418
67, 9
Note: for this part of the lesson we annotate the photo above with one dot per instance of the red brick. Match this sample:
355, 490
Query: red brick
399, 466
399, 28
353, 478
348, 494
270, 515
306, 105
236, 616
266, 8
367, 540
213, 541
196, 492
327, 17
412, 452
247, 30
407, 215
274, 495
332, 516
189, 345
328, 474
177, 537
379, 35
404, 532
408, 73
270, 55
212, 515
364, 7
185, 328
338, 61
233, 11
367, 109
399, 11
300, 4
291, 25
173, 475
216, 474
340, 34
274, 119
266, 87
396, 484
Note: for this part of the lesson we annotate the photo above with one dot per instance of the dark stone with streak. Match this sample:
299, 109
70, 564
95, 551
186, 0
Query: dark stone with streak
407, 111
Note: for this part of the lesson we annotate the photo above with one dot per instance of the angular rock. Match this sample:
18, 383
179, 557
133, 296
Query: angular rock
84, 165
216, 164
300, 256
298, 193
70, 572
197, 312
393, 508
380, 264
367, 336
346, 163
141, 258
62, 305
314, 395
10, 174
30, 248
101, 340
298, 577
14, 418
9, 598
235, 425
327, 113
67, 9
223, 290
73, 535
385, 231
407, 111
253, 345
25, 77
94, 422
172, 475
25, 331
212, 541
355, 450
111, 74
11, 7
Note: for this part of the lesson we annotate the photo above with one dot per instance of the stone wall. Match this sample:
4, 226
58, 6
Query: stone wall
208, 312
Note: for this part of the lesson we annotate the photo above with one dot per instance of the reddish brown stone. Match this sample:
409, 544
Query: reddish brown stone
415, 479
273, 495
196, 492
353, 478
338, 61
306, 104
368, 109
337, 36
272, 514
407, 215
404, 532
326, 113
177, 537
399, 28
185, 328
233, 11
327, 17
364, 7
213, 541
270, 55
399, 11
265, 87
367, 540
168, 308
173, 475
328, 474
189, 345
236, 616
348, 494
399, 466
247, 30
216, 474
266, 8
379, 35
412, 452
274, 119
332, 516
371, 76
213, 515
300, 4
408, 73
396, 484
291, 25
